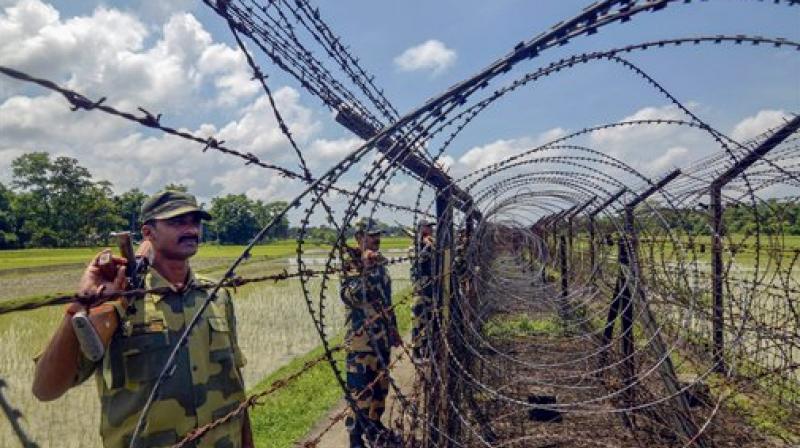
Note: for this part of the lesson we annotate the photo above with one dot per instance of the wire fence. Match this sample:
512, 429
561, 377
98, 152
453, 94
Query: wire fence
576, 300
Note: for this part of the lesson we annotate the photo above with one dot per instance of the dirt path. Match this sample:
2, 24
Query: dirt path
336, 436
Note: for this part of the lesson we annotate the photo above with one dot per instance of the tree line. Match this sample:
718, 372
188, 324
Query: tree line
55, 202
772, 216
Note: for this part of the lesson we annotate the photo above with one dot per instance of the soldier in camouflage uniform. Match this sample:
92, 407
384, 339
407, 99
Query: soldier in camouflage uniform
422, 277
207, 381
366, 290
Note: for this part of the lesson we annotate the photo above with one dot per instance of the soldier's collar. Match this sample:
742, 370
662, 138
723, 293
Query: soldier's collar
154, 280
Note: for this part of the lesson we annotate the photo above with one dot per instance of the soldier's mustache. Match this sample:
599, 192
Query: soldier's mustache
189, 238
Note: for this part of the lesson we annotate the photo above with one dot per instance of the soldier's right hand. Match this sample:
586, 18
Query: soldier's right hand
104, 274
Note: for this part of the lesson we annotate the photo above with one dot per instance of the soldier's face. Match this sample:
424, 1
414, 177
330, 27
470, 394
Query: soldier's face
370, 242
426, 231
176, 238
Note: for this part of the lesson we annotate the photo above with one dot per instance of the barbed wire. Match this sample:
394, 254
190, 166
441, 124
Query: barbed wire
624, 291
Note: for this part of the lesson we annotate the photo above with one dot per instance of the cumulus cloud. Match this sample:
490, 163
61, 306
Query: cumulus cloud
105, 54
753, 126
671, 158
335, 149
175, 66
431, 55
499, 150
257, 130
653, 149
656, 148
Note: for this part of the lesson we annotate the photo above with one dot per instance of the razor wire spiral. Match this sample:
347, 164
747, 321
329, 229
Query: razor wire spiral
533, 242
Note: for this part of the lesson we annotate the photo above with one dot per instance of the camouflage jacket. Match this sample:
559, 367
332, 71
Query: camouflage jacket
207, 381
368, 295
422, 270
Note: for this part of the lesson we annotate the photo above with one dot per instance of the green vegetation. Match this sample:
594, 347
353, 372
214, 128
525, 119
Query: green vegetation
516, 326
55, 202
33, 258
289, 414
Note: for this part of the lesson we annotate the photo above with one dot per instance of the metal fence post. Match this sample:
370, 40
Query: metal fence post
718, 231
681, 417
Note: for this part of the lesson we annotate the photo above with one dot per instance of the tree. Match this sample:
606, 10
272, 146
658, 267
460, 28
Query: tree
129, 204
266, 212
59, 204
8, 224
234, 219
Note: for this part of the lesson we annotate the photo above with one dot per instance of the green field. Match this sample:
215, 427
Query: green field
32, 258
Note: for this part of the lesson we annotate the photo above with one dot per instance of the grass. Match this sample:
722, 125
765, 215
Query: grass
33, 275
289, 414
760, 407
34, 258
517, 326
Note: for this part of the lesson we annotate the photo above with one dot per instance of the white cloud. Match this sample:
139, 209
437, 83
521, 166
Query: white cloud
620, 139
752, 126
257, 130
431, 55
104, 54
499, 150
654, 148
334, 149
673, 157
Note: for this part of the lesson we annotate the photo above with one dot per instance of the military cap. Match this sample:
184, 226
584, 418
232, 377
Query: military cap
425, 222
169, 204
368, 226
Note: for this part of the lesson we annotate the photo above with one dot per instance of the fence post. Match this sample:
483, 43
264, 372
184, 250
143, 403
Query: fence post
562, 253
437, 408
681, 417
717, 229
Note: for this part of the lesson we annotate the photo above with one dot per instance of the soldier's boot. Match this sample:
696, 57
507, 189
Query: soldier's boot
380, 436
356, 432
356, 441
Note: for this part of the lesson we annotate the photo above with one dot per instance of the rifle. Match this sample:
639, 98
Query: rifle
95, 327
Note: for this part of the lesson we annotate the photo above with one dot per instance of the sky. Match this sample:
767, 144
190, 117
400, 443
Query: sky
179, 59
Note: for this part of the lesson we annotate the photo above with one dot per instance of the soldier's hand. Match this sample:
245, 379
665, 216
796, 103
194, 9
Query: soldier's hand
104, 274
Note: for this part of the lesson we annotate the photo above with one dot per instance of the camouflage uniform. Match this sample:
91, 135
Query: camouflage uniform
422, 311
207, 381
368, 295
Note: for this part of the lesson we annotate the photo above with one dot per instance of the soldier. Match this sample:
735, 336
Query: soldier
422, 276
366, 290
207, 381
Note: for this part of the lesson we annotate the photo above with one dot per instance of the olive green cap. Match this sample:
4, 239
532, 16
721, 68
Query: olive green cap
169, 204
368, 226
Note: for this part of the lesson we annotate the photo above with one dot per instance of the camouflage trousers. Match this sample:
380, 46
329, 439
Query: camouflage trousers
422, 314
369, 390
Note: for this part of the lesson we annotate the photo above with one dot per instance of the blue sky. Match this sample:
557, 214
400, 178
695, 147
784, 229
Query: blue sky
726, 85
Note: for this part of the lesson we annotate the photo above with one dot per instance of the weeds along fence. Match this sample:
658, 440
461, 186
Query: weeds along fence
576, 299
